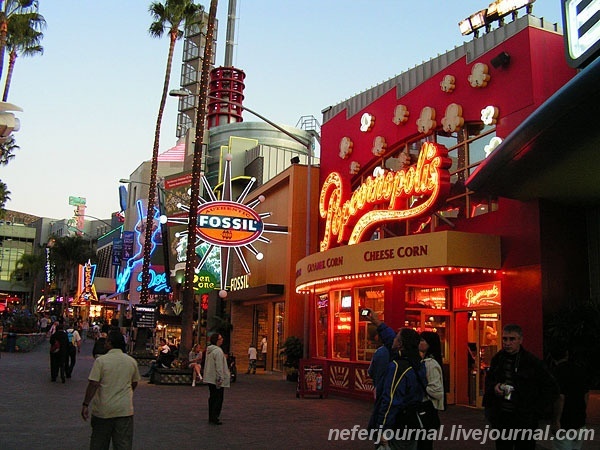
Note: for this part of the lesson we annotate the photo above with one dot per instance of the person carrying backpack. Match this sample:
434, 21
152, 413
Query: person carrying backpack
74, 348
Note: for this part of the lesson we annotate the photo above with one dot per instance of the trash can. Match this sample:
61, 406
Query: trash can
11, 342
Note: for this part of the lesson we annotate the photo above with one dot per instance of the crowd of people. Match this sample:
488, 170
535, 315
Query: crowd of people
519, 391
406, 369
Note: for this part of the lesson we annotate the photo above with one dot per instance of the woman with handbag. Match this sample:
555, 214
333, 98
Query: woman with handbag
431, 351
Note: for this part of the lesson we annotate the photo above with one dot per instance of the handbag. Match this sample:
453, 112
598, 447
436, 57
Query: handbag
55, 347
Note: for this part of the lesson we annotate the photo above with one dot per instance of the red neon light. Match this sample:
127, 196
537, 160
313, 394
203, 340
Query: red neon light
349, 219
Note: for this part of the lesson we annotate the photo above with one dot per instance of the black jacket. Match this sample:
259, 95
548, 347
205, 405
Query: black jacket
63, 339
535, 388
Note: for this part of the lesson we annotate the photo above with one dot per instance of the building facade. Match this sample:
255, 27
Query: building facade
400, 232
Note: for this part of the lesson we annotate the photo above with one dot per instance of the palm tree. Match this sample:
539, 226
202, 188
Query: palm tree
8, 10
168, 18
27, 269
24, 37
6, 150
66, 255
4, 197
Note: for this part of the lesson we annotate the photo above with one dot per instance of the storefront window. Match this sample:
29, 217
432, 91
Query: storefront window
322, 316
372, 298
342, 323
426, 297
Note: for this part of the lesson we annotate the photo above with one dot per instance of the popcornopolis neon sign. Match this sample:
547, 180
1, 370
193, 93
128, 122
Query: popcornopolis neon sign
347, 220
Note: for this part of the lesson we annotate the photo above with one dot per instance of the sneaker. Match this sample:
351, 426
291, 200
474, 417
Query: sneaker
193, 383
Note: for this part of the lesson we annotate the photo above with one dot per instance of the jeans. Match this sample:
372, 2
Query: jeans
215, 402
57, 363
71, 359
117, 429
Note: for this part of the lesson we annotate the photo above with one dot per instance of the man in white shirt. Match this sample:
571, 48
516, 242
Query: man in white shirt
112, 380
74, 348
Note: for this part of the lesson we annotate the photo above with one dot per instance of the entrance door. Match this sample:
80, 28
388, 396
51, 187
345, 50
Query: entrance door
440, 322
483, 327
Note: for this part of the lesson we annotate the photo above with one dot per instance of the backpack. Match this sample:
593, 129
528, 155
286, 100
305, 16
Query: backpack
71, 338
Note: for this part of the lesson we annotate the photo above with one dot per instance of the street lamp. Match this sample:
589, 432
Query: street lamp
194, 207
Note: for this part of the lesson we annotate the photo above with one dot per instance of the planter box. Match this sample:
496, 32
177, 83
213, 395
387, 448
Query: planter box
21, 342
172, 376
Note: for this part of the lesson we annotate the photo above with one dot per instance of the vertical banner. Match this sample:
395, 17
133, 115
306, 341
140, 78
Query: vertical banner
128, 238
117, 251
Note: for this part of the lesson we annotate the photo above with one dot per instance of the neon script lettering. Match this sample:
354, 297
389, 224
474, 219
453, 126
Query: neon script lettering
348, 220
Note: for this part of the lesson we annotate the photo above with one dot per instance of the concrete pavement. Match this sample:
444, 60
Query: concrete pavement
260, 412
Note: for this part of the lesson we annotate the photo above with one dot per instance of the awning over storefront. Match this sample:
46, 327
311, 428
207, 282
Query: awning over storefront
555, 153
449, 252
255, 293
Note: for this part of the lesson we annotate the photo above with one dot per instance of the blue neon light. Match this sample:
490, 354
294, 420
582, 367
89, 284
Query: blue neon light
123, 277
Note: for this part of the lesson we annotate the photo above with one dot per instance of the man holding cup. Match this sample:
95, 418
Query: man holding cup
518, 389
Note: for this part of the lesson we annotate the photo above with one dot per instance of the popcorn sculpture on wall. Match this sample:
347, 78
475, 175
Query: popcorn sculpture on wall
479, 75
453, 120
345, 147
379, 146
489, 115
400, 115
494, 142
426, 122
354, 167
367, 121
448, 83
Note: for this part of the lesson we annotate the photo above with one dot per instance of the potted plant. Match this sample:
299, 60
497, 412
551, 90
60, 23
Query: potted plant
292, 351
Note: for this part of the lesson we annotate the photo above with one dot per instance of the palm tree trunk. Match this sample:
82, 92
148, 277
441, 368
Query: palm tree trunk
11, 65
187, 319
3, 37
144, 295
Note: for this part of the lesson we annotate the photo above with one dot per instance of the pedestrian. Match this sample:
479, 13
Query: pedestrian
59, 345
100, 344
383, 335
74, 348
252, 355
217, 376
569, 412
263, 351
163, 360
430, 349
518, 389
85, 328
44, 322
402, 390
195, 363
112, 380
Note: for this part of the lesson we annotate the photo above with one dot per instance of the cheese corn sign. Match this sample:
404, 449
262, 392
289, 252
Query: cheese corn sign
389, 196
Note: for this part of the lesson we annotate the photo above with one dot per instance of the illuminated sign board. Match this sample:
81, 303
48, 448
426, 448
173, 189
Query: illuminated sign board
88, 291
228, 224
479, 295
581, 19
401, 195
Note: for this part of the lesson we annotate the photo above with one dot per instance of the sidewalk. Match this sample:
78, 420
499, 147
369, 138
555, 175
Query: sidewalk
260, 412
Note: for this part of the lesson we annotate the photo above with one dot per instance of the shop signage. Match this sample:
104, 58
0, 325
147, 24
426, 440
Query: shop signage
422, 251
581, 20
239, 283
205, 281
348, 218
228, 224
88, 291
144, 316
480, 295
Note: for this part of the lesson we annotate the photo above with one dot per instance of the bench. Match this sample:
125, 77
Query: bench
172, 376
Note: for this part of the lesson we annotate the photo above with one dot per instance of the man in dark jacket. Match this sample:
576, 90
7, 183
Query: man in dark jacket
59, 346
518, 388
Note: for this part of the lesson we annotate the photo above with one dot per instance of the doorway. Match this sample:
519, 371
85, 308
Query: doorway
441, 323
481, 342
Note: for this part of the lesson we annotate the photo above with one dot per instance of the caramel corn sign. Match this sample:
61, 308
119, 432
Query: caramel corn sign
389, 196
